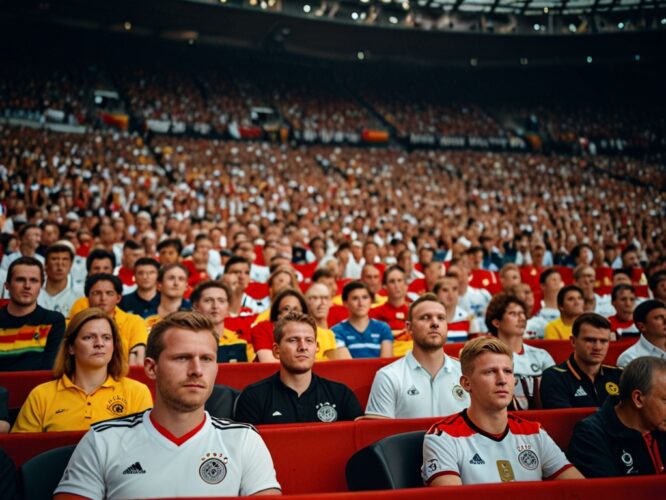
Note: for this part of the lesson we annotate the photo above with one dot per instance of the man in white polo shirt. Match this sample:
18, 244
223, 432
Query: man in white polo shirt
176, 449
484, 444
650, 319
426, 382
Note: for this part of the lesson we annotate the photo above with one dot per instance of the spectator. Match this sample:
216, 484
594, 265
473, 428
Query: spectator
460, 322
98, 261
29, 238
536, 325
59, 292
570, 302
650, 319
171, 285
623, 299
318, 297
395, 310
145, 300
550, 282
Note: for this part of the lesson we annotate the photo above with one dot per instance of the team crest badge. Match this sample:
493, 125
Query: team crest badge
326, 412
612, 388
535, 367
528, 459
213, 470
117, 406
459, 393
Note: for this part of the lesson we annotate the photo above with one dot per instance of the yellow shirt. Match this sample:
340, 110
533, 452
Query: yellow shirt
230, 337
557, 330
132, 328
262, 316
325, 342
60, 405
81, 304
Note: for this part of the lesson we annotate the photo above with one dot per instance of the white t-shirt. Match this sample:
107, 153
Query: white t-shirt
129, 458
62, 301
528, 367
404, 389
524, 452
548, 313
536, 328
476, 301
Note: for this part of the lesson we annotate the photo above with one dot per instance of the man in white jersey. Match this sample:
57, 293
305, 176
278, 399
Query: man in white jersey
506, 319
484, 444
426, 382
176, 449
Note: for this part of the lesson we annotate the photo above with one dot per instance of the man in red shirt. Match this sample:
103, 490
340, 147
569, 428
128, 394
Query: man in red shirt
394, 311
623, 298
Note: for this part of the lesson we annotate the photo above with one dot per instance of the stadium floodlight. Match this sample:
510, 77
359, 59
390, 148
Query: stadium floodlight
127, 26
589, 59
307, 8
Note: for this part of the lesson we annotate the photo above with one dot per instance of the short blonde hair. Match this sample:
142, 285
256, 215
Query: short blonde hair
187, 320
65, 363
475, 348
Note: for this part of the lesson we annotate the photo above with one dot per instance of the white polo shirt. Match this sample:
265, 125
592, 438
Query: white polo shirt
130, 458
523, 452
404, 389
643, 347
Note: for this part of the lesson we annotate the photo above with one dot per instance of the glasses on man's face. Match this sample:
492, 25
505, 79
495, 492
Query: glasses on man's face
288, 309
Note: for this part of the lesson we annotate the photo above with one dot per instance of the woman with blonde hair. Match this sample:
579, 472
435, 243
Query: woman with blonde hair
90, 380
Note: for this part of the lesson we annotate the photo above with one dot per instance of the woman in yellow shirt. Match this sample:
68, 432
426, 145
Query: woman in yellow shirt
90, 383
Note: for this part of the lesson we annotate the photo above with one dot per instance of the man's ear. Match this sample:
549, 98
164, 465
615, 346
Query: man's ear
464, 382
637, 397
276, 350
150, 367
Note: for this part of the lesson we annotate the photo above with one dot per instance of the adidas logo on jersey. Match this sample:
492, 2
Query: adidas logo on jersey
580, 392
135, 468
477, 460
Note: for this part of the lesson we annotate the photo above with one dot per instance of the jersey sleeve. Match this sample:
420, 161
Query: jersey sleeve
339, 336
53, 341
31, 416
439, 457
138, 334
546, 360
553, 460
382, 400
554, 390
258, 470
249, 407
591, 452
84, 474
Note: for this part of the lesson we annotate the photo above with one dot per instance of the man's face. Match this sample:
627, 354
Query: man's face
624, 304
58, 265
371, 277
319, 301
428, 325
289, 304
526, 295
396, 286
509, 278
214, 303
297, 348
104, 295
358, 303
242, 272
552, 284
621, 279
169, 255
433, 271
370, 253
513, 321
131, 255
653, 410
448, 293
99, 266
145, 277
185, 372
203, 246
357, 252
573, 304
660, 291
586, 280
174, 283
405, 262
630, 259
461, 273
24, 285
247, 250
538, 252
50, 235
491, 382
655, 324
107, 235
591, 345
32, 238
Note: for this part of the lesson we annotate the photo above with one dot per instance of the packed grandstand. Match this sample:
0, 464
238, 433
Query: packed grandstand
483, 186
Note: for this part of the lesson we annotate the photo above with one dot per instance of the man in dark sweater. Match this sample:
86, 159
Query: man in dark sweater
295, 394
626, 438
30, 335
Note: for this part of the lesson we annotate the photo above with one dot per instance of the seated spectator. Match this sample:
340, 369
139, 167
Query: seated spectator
211, 298
98, 261
29, 238
506, 319
460, 322
104, 291
145, 300
372, 277
59, 292
536, 325
585, 277
550, 282
626, 437
132, 251
241, 302
295, 394
650, 319
623, 298
570, 302
509, 275
197, 265
171, 285
163, 440
282, 277
169, 251
91, 383
657, 285
484, 444
473, 300
582, 380
318, 297
426, 382
29, 334
394, 311
363, 336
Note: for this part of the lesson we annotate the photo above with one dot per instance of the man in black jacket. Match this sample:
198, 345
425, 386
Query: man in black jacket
627, 438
